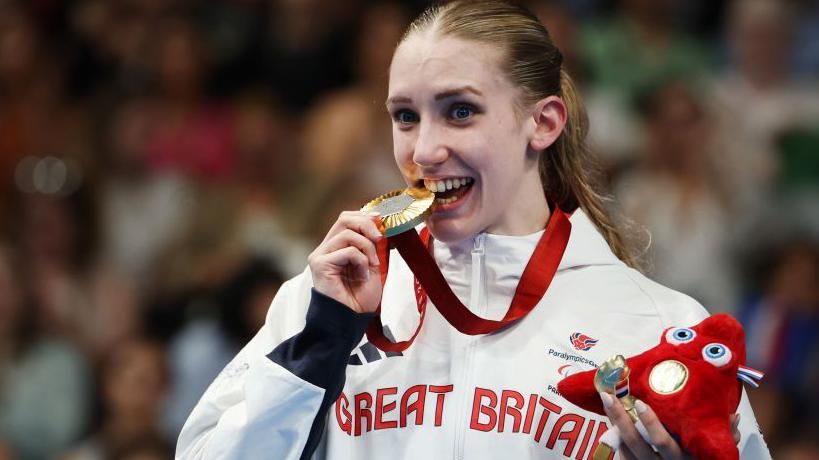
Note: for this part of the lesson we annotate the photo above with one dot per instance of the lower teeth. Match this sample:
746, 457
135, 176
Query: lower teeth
450, 199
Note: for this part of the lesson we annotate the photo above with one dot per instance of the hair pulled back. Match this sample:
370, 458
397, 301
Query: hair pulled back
532, 63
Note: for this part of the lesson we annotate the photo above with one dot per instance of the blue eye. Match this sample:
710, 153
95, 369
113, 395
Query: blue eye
679, 335
461, 112
405, 116
716, 354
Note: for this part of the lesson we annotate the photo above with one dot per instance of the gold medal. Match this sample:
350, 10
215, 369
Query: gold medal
612, 373
612, 377
668, 377
402, 210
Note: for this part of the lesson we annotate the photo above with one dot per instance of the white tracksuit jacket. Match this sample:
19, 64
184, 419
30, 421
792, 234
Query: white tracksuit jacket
309, 386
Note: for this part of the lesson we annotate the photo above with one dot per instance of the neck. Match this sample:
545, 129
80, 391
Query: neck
527, 211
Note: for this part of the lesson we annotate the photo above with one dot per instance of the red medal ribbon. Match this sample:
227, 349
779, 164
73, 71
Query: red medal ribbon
535, 280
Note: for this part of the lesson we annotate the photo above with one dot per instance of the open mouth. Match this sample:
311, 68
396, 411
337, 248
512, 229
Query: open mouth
449, 190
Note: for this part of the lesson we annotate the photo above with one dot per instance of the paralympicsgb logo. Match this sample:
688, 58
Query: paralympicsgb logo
582, 342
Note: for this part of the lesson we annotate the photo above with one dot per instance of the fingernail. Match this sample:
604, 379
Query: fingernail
640, 406
607, 399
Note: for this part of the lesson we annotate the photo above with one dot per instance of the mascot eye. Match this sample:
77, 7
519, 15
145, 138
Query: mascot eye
716, 354
679, 335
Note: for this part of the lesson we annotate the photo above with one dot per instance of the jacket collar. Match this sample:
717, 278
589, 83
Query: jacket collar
586, 247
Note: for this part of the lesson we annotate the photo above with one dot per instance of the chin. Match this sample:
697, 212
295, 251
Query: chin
449, 230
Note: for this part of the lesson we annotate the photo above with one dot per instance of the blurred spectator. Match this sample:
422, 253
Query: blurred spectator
18, 65
564, 31
806, 41
141, 211
76, 299
782, 334
44, 382
268, 175
193, 135
638, 46
348, 133
211, 339
758, 98
111, 46
56, 236
134, 380
625, 53
675, 193
246, 216
306, 50
32, 103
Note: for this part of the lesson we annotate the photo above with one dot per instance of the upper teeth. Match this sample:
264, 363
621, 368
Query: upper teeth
446, 184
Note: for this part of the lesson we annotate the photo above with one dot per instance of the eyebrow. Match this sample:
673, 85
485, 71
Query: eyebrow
442, 95
457, 92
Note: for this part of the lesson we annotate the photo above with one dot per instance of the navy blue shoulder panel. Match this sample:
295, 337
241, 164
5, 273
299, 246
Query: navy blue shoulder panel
319, 353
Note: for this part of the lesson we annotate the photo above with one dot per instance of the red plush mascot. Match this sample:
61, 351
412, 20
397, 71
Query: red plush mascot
692, 380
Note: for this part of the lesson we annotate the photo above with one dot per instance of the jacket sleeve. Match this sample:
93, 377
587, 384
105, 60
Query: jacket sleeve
273, 397
751, 444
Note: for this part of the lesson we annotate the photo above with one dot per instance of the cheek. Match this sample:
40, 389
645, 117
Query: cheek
401, 148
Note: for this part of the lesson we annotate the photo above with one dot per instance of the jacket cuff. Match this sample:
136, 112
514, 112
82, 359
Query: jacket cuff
319, 353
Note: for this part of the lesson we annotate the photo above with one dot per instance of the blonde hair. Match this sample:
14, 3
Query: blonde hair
532, 63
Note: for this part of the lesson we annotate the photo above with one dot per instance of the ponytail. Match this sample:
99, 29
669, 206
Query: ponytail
571, 176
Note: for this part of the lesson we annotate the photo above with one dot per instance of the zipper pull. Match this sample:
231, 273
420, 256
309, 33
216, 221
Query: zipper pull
476, 293
478, 244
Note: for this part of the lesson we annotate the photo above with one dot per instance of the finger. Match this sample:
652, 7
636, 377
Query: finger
611, 438
658, 436
735, 428
349, 256
366, 224
626, 454
351, 238
641, 428
628, 432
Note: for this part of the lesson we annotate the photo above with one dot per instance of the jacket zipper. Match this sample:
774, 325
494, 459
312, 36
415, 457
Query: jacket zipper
476, 295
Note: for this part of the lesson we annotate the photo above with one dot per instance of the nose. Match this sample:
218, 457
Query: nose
430, 146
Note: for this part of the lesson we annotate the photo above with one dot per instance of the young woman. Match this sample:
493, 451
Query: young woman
483, 115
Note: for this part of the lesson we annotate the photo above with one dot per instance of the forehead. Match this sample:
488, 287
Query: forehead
425, 61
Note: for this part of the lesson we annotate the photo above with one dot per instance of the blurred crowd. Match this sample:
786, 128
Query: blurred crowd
166, 164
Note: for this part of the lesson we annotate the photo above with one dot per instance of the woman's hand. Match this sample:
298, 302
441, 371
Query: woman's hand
637, 445
345, 266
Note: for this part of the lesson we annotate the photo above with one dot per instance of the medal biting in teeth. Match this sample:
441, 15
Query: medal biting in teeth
402, 210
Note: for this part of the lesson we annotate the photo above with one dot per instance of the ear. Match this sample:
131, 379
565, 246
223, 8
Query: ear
549, 117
